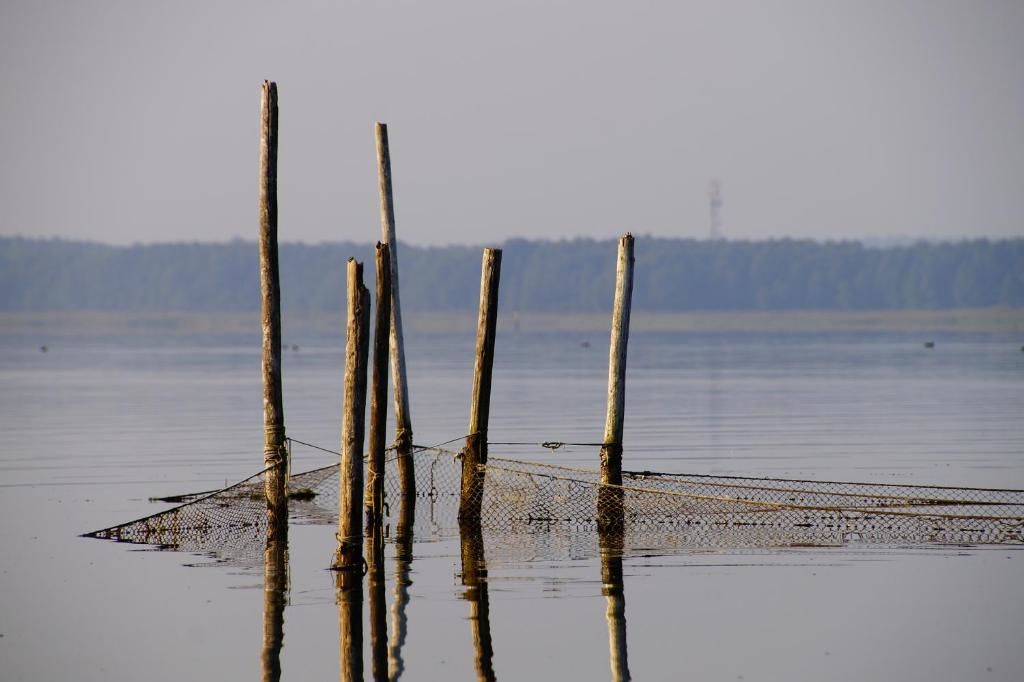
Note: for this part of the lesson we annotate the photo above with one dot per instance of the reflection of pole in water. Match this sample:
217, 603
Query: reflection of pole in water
611, 580
474, 577
350, 622
403, 566
378, 607
275, 595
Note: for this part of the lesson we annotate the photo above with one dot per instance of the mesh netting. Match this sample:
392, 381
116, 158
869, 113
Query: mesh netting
229, 525
549, 511
725, 512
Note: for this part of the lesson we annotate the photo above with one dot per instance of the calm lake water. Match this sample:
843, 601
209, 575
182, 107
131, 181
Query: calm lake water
91, 431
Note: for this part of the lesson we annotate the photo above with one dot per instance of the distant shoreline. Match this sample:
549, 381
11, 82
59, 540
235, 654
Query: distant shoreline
43, 325
674, 276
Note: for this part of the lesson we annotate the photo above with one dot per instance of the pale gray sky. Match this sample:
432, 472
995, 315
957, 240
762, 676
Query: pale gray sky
137, 121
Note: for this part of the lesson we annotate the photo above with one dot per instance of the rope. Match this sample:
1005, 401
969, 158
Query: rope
366, 456
908, 500
442, 451
369, 499
741, 483
802, 480
438, 445
417, 448
549, 444
343, 544
402, 439
764, 503
315, 447
655, 475
203, 496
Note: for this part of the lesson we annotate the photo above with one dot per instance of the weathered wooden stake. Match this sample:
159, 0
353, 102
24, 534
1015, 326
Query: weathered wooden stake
275, 456
353, 427
403, 421
611, 452
475, 452
373, 501
610, 500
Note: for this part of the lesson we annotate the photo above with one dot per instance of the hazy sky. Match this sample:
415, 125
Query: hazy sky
138, 121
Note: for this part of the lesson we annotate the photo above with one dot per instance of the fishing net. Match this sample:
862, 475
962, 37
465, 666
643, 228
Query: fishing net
539, 510
230, 524
694, 511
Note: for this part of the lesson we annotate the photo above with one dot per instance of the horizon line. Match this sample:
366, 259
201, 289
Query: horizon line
895, 240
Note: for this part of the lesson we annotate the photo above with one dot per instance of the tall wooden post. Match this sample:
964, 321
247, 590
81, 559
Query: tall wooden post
373, 502
475, 452
610, 501
275, 456
403, 421
353, 427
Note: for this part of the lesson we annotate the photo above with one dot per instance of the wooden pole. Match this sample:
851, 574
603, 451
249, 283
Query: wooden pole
353, 427
610, 511
611, 452
403, 421
275, 457
373, 502
475, 452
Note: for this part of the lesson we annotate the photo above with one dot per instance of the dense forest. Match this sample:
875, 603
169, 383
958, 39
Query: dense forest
576, 275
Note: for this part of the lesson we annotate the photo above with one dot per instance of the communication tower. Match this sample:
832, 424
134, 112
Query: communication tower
715, 200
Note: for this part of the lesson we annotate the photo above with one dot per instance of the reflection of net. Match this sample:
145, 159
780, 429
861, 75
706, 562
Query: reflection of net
544, 510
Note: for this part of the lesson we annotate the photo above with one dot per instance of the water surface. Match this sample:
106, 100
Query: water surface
91, 431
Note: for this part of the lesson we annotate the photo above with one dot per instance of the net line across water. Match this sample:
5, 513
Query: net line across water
665, 511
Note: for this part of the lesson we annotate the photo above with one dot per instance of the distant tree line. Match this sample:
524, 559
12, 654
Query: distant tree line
562, 276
